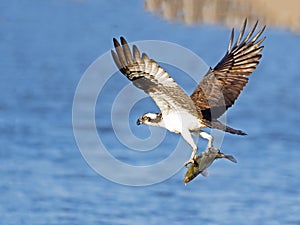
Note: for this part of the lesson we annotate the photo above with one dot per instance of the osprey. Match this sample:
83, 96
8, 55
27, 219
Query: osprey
216, 92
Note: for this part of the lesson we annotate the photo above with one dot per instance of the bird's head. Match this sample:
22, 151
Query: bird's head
150, 119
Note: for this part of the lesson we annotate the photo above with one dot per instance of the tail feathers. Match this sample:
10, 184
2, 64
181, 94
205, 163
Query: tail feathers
220, 126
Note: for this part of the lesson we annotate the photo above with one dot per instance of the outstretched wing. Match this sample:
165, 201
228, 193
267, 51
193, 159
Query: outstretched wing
221, 86
147, 75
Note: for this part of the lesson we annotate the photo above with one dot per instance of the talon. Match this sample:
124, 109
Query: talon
190, 161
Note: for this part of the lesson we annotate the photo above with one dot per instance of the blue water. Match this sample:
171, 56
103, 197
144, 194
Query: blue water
45, 47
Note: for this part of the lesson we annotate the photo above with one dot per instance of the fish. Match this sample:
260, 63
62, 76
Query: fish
203, 161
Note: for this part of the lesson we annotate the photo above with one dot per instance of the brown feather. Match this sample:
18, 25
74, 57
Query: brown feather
147, 75
221, 86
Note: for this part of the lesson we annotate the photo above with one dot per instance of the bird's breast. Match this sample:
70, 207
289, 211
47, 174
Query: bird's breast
178, 121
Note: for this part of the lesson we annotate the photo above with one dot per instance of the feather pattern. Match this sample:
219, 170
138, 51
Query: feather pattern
221, 86
147, 75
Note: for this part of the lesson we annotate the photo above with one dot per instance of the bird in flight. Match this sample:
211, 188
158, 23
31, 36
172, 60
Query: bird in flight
216, 92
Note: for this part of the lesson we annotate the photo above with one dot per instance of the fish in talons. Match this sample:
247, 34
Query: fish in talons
203, 161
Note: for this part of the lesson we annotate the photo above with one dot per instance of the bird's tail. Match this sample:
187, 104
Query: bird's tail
215, 124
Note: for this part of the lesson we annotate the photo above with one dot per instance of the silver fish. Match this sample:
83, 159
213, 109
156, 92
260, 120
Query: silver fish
203, 161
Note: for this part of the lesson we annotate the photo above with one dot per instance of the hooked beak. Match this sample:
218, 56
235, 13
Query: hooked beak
138, 122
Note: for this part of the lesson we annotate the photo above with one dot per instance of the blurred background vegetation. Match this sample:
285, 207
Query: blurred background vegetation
230, 12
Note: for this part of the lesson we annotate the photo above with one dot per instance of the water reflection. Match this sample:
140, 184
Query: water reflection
229, 12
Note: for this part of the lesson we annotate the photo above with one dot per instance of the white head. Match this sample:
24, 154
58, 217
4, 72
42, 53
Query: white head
151, 119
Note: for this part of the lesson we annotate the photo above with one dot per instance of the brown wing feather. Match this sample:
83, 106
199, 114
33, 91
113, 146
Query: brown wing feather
221, 86
147, 75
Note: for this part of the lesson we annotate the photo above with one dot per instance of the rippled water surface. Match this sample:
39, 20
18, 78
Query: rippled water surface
45, 48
